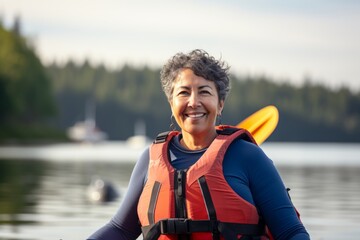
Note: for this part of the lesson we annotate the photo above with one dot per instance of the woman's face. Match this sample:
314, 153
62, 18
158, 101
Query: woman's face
195, 103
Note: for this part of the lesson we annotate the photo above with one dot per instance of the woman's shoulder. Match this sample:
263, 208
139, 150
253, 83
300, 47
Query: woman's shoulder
248, 151
244, 146
142, 163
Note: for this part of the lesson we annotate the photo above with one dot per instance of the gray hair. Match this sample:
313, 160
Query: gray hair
203, 65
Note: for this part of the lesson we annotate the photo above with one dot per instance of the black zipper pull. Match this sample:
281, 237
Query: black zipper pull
180, 182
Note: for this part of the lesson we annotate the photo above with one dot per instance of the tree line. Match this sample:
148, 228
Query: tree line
307, 113
55, 97
26, 94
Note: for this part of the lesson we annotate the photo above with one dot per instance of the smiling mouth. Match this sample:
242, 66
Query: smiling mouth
196, 115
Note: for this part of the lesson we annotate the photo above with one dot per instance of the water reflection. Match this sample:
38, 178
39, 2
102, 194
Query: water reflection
48, 200
20, 182
328, 199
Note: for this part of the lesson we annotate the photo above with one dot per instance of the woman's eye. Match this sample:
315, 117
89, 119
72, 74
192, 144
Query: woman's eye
205, 92
182, 93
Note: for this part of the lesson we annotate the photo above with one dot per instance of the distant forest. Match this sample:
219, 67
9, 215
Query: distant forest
124, 96
44, 101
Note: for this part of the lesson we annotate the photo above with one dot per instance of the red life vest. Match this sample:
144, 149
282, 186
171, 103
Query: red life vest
196, 203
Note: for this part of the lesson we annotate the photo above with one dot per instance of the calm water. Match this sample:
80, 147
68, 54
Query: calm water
48, 200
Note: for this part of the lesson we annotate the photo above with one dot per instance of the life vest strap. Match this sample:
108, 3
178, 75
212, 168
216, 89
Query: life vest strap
188, 226
161, 137
226, 130
222, 129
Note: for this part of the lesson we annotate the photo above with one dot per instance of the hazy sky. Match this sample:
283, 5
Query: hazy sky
285, 40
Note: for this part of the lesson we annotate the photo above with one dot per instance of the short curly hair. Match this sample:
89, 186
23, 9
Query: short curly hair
202, 64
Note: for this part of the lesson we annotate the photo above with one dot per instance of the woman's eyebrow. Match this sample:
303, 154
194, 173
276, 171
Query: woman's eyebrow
200, 87
205, 86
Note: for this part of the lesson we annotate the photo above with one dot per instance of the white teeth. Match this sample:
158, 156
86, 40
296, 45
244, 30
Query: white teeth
196, 115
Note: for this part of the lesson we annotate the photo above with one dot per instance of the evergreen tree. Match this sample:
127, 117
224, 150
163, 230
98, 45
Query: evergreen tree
26, 91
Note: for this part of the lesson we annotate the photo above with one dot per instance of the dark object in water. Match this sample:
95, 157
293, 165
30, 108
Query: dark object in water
101, 190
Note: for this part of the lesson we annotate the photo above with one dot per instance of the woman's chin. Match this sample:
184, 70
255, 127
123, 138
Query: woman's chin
197, 129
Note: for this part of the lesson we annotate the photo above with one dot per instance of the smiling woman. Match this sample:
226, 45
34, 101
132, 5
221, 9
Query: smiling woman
196, 86
195, 105
203, 182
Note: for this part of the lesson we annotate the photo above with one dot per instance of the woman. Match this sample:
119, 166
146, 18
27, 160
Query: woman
203, 182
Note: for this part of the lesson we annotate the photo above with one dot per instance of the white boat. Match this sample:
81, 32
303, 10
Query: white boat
87, 131
88, 147
139, 139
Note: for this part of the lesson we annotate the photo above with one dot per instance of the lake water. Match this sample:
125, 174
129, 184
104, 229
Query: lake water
45, 200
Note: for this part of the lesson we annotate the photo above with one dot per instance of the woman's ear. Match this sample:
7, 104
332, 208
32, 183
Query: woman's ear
171, 105
221, 107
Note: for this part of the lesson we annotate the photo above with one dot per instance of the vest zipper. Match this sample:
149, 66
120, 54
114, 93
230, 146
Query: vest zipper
180, 198
180, 184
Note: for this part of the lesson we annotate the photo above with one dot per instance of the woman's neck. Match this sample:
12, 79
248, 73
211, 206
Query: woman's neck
196, 142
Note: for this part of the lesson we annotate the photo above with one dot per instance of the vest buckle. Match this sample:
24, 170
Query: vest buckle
174, 226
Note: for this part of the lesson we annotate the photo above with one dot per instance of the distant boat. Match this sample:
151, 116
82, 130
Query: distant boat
90, 145
139, 139
87, 131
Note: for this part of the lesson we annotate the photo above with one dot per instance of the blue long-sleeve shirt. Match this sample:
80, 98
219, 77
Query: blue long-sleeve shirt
249, 172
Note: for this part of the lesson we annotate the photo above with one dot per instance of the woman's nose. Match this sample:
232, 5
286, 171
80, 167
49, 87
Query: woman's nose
194, 100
